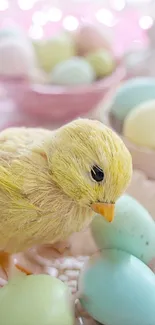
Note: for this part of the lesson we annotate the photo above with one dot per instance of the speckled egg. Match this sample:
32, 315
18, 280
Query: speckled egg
133, 230
37, 300
17, 58
102, 62
118, 289
130, 94
89, 38
139, 125
53, 51
76, 71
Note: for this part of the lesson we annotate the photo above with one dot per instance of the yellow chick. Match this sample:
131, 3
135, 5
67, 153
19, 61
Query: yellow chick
53, 182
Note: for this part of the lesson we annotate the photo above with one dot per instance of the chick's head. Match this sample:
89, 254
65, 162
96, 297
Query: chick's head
91, 164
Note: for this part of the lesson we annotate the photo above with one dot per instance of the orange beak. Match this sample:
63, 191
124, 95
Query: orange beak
104, 209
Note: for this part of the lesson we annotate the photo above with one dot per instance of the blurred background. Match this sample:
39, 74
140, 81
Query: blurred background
63, 59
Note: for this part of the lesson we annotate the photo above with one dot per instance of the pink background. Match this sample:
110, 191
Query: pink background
126, 31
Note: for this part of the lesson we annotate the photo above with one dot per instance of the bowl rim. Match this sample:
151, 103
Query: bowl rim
47, 89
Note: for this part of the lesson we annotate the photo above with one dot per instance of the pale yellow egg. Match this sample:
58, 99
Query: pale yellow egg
102, 62
139, 125
52, 51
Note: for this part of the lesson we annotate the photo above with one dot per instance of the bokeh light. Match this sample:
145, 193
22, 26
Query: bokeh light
54, 14
106, 17
70, 23
146, 22
36, 32
118, 4
39, 18
4, 5
25, 4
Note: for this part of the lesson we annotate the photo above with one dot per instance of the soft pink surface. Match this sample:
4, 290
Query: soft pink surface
124, 32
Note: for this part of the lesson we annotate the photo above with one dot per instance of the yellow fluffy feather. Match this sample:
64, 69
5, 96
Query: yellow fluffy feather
46, 188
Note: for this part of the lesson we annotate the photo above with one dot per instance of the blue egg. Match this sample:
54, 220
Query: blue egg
73, 72
133, 230
130, 94
119, 289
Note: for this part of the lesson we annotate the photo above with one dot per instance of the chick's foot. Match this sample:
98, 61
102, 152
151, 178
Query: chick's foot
8, 265
23, 269
5, 261
57, 250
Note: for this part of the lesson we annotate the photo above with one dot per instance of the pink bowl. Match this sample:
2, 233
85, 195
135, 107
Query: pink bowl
61, 103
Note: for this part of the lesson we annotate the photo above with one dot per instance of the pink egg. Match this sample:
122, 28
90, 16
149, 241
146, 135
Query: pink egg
89, 38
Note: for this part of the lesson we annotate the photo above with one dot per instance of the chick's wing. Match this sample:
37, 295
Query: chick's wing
23, 170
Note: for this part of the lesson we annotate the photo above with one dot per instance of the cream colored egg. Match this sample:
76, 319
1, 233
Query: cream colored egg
52, 51
139, 125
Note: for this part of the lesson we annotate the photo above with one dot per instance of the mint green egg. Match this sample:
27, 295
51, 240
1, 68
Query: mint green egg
118, 289
133, 230
72, 72
35, 300
130, 94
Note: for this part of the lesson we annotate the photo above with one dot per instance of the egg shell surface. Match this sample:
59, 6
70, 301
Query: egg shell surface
130, 94
35, 300
102, 62
11, 33
139, 125
53, 51
17, 58
89, 38
118, 289
75, 71
133, 230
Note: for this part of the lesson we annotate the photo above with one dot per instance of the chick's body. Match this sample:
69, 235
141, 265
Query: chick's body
45, 186
33, 207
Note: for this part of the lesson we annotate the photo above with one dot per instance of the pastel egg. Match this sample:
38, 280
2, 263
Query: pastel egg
37, 300
17, 58
130, 94
118, 289
89, 38
10, 32
132, 230
76, 71
53, 51
102, 62
139, 125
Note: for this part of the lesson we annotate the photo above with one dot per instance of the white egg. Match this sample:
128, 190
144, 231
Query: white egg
16, 58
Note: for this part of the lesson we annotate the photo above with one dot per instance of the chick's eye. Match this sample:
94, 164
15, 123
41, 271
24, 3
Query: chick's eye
97, 174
